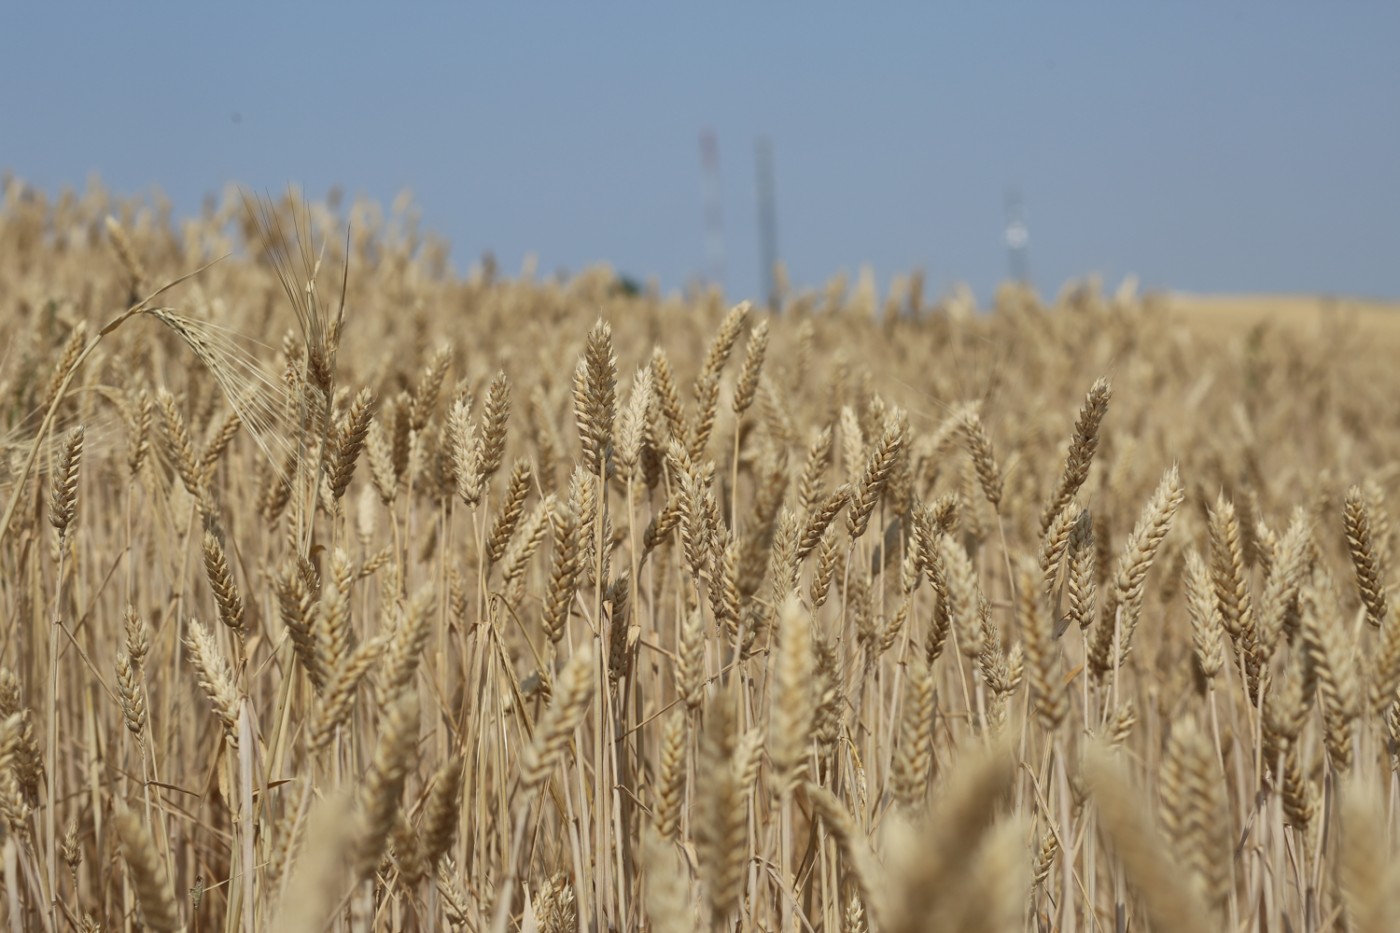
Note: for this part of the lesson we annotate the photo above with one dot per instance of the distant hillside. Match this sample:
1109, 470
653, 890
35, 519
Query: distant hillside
1233, 314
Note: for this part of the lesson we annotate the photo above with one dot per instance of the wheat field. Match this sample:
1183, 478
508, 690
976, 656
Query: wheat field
341, 592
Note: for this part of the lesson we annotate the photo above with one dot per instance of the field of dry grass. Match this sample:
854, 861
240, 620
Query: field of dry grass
1305, 314
395, 600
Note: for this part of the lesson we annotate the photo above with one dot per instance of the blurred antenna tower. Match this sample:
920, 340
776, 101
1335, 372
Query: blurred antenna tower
714, 209
767, 222
1017, 238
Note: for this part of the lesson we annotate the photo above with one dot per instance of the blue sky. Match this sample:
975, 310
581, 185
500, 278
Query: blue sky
1212, 147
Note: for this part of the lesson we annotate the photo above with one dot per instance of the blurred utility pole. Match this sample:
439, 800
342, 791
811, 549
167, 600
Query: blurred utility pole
767, 223
1017, 238
714, 209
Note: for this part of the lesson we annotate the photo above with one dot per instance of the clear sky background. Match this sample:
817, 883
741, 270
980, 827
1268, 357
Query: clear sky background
1239, 147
